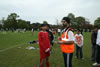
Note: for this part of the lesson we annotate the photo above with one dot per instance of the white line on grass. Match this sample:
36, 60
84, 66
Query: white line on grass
10, 48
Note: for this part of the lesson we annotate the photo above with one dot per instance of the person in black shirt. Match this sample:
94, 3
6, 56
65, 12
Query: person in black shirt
50, 36
93, 41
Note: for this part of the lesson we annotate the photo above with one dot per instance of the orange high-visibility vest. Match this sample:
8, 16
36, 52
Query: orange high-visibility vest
66, 48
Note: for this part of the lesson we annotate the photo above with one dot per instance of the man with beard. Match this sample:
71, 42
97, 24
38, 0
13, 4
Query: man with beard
67, 42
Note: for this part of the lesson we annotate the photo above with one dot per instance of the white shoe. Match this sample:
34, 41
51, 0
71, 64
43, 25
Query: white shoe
96, 64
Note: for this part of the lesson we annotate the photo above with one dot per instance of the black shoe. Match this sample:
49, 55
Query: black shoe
92, 59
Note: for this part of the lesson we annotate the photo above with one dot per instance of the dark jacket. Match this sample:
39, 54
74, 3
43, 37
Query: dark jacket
94, 38
51, 37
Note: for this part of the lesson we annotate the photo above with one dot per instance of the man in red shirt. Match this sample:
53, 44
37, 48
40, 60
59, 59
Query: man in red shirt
44, 43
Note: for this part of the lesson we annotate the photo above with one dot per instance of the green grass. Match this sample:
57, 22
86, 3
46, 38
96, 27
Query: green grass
13, 52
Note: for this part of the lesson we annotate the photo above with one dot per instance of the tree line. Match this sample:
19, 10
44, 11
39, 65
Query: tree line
81, 22
13, 22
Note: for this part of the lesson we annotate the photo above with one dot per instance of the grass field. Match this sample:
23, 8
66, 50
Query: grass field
13, 52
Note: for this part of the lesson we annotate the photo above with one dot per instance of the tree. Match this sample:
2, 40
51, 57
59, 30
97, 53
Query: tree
71, 16
6, 24
45, 22
80, 22
97, 22
36, 25
72, 20
29, 25
0, 26
23, 24
11, 21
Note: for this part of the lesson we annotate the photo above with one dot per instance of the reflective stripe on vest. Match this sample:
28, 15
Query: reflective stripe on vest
66, 48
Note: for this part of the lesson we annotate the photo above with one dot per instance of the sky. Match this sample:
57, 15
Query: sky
50, 10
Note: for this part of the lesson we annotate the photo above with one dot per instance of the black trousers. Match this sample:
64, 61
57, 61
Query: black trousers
98, 54
93, 52
68, 59
79, 52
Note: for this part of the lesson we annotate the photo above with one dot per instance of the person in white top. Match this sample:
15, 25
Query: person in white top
59, 31
32, 31
79, 44
97, 63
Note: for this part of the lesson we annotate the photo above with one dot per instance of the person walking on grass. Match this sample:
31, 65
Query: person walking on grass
67, 42
79, 44
97, 62
44, 43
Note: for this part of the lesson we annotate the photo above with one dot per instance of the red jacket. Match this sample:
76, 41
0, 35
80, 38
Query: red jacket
44, 41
